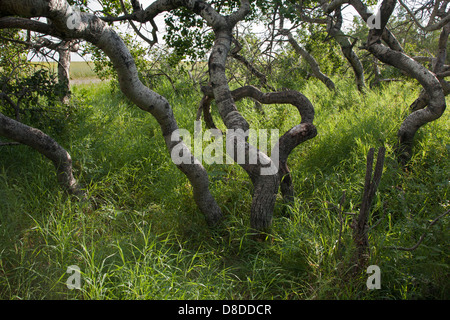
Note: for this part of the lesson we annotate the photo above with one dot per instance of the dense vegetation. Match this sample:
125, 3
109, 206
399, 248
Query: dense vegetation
88, 177
142, 237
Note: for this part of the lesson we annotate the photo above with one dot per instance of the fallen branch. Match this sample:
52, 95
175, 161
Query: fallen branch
414, 247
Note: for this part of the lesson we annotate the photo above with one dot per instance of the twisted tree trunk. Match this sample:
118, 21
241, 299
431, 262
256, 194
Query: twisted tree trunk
438, 69
264, 174
291, 139
428, 80
101, 35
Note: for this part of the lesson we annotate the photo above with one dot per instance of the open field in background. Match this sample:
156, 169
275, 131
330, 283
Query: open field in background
142, 237
78, 69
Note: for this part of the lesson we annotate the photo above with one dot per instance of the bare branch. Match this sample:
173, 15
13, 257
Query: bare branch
138, 32
310, 59
261, 76
360, 225
429, 27
422, 237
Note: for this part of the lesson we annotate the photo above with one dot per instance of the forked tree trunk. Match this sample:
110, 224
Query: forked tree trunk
361, 224
96, 31
291, 139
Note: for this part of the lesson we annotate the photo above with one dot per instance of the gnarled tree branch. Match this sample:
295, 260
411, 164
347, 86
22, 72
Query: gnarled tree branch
432, 86
44, 144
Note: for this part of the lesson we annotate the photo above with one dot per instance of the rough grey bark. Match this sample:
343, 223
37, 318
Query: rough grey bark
101, 35
96, 31
334, 30
432, 86
44, 144
315, 68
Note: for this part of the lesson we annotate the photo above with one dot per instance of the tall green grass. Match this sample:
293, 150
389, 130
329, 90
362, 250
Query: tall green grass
142, 237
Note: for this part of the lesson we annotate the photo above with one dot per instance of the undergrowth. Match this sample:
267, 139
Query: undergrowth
141, 236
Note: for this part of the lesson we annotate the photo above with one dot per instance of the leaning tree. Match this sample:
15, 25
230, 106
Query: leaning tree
67, 24
383, 45
427, 15
97, 31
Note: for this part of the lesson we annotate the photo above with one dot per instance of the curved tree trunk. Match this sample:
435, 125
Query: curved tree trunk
431, 84
265, 184
94, 30
334, 30
439, 70
264, 174
159, 107
291, 139
44, 144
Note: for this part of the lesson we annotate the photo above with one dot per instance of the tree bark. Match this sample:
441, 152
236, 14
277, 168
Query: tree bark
386, 35
64, 72
431, 85
334, 30
438, 67
310, 60
44, 144
64, 49
97, 32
